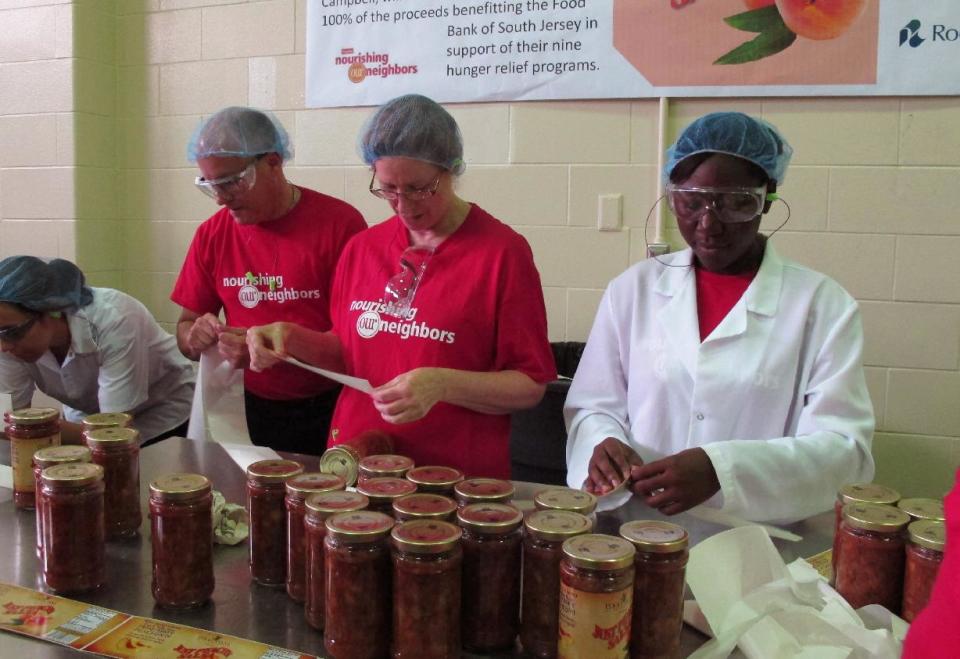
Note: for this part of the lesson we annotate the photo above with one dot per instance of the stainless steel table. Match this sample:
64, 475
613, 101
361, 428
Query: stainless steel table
240, 607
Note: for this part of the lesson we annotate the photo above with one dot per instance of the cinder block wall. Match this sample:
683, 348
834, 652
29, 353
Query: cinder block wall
98, 99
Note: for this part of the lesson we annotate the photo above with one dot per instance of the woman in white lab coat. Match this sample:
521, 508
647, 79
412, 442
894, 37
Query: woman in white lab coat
723, 373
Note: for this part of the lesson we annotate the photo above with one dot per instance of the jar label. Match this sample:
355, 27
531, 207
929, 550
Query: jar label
594, 625
21, 460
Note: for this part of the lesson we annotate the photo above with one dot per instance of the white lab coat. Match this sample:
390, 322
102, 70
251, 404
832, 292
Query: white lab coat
775, 395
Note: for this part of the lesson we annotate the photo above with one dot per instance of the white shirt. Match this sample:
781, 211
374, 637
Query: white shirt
120, 360
775, 395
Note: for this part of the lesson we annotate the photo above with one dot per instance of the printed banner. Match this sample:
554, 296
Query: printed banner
365, 52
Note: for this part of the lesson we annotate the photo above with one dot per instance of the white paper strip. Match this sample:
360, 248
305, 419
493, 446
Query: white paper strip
348, 380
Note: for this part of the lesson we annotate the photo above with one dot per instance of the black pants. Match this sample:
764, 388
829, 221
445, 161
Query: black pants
179, 431
296, 426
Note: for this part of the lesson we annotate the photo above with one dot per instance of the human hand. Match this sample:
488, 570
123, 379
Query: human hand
409, 396
203, 333
610, 464
677, 482
266, 345
233, 346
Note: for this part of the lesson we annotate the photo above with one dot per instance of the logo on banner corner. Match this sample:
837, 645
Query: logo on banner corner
370, 64
910, 34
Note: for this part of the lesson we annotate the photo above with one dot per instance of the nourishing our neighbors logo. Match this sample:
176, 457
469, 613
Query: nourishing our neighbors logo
363, 65
250, 294
370, 323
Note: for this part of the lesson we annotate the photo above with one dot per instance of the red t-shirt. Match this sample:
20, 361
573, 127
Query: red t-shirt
267, 272
716, 295
479, 307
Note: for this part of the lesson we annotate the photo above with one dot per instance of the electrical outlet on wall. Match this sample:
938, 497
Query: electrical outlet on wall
609, 212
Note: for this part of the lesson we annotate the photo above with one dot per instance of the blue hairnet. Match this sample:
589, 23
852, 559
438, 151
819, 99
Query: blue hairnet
239, 132
735, 134
416, 127
40, 286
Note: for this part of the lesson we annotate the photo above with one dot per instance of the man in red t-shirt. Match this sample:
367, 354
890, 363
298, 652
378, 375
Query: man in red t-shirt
267, 255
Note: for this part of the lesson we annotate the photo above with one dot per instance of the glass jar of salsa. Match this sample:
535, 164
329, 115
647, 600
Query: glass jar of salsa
73, 540
920, 508
427, 561
425, 505
29, 430
483, 490
181, 536
48, 457
102, 420
660, 564
492, 557
319, 507
924, 556
266, 491
596, 597
869, 568
357, 602
298, 488
382, 492
564, 498
544, 534
857, 493
344, 458
433, 478
385, 465
117, 450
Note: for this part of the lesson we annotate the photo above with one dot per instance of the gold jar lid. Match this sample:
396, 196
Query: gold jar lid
273, 471
556, 524
868, 493
359, 525
565, 498
425, 536
32, 416
385, 464
106, 420
73, 474
301, 485
342, 461
178, 487
324, 504
475, 490
492, 518
599, 552
929, 533
424, 505
434, 477
920, 508
111, 437
52, 455
875, 517
386, 489
655, 537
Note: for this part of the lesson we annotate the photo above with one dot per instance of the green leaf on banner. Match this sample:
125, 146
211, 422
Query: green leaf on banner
763, 45
756, 20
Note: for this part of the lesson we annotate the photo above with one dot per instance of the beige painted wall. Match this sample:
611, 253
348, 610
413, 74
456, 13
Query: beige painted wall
98, 99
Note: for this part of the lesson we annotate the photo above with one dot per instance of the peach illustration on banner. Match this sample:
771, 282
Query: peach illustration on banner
820, 19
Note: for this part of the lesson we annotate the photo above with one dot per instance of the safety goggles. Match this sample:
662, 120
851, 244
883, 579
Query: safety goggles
414, 194
731, 205
229, 186
13, 333
402, 287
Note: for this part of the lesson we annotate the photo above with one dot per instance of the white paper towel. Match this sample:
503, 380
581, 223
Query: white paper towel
218, 413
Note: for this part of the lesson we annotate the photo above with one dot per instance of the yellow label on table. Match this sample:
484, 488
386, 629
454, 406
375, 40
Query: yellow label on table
55, 619
822, 563
594, 625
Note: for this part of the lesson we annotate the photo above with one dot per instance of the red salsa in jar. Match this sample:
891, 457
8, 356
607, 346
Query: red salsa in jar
73, 541
29, 430
924, 556
483, 490
385, 465
596, 596
382, 492
427, 562
660, 565
425, 505
298, 488
858, 493
544, 534
869, 568
921, 508
357, 600
48, 457
492, 558
181, 536
433, 478
319, 507
117, 450
344, 458
266, 491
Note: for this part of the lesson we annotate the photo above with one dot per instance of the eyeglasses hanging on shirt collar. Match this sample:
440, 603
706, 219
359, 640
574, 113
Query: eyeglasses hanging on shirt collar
13, 333
402, 287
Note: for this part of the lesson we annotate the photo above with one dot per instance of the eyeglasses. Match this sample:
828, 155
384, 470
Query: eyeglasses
229, 186
732, 205
413, 194
402, 287
14, 333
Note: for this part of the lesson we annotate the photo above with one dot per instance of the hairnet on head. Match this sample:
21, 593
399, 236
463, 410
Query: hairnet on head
239, 132
416, 127
735, 134
41, 286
